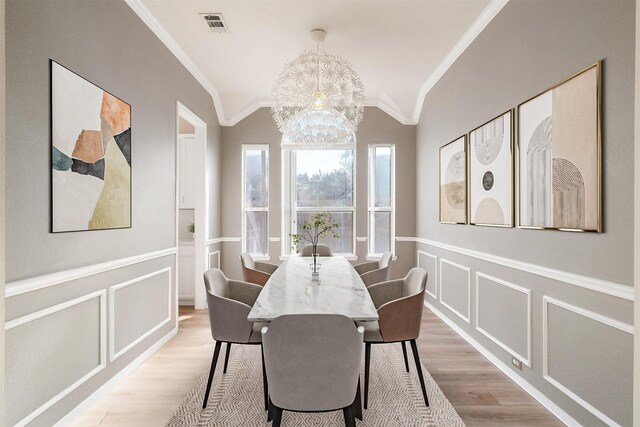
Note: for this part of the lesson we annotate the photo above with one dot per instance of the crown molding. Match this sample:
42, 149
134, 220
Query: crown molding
492, 9
143, 13
476, 28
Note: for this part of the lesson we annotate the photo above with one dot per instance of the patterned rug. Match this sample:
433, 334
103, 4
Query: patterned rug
395, 398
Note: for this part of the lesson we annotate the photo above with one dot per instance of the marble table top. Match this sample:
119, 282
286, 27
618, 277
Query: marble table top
290, 290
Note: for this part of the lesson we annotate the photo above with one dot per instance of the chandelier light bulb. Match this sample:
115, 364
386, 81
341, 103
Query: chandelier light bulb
319, 100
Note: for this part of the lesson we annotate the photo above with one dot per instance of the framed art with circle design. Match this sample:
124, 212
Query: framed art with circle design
453, 182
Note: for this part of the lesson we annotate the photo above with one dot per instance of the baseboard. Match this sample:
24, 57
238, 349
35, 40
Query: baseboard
525, 385
106, 387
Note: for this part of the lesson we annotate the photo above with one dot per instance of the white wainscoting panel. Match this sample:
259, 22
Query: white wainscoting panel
615, 324
34, 283
213, 259
464, 316
102, 294
433, 279
526, 359
113, 354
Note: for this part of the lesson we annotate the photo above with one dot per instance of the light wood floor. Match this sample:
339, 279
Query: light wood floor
480, 393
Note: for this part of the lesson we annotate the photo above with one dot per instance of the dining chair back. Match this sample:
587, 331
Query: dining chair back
255, 271
229, 303
373, 272
322, 249
400, 304
313, 363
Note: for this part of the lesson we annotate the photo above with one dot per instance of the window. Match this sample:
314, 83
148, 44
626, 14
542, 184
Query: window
255, 199
381, 199
320, 181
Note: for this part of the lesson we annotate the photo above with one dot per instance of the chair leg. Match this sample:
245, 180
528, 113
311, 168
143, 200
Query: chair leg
270, 411
367, 362
277, 416
357, 403
404, 353
416, 358
265, 385
226, 358
216, 353
349, 420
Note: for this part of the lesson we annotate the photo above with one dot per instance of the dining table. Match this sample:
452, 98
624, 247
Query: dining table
291, 289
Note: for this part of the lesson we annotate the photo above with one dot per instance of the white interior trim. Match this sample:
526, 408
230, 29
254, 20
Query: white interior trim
106, 387
435, 268
102, 294
524, 359
28, 285
274, 239
606, 287
487, 15
141, 10
507, 370
174, 47
209, 259
466, 318
113, 355
546, 300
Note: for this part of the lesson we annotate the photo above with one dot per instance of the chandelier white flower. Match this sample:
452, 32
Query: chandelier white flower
318, 99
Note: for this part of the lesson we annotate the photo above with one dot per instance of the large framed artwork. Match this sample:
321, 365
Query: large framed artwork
453, 182
90, 155
491, 173
559, 156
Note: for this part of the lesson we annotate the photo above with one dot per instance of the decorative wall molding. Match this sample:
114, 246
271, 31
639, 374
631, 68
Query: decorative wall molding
546, 300
606, 287
106, 387
524, 359
361, 239
141, 10
275, 239
209, 255
28, 285
435, 268
487, 15
113, 355
102, 294
221, 240
507, 370
466, 318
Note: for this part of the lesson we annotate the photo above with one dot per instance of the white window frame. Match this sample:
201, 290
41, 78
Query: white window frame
245, 209
289, 208
372, 209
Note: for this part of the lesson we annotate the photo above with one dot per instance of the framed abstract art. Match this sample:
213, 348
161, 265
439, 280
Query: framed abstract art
491, 172
90, 155
453, 182
559, 156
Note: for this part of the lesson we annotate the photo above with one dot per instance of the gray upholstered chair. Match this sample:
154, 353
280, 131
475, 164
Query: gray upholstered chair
313, 365
229, 304
399, 304
256, 271
323, 250
375, 271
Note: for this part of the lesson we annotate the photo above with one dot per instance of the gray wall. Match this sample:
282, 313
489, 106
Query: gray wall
376, 128
636, 234
2, 212
106, 43
528, 47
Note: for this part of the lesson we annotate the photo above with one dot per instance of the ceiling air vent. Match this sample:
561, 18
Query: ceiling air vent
215, 22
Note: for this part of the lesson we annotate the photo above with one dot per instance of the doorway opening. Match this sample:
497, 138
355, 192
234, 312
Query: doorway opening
191, 207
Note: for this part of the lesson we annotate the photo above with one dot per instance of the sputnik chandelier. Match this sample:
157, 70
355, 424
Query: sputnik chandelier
318, 99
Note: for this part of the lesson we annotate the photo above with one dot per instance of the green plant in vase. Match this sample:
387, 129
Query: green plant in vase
320, 225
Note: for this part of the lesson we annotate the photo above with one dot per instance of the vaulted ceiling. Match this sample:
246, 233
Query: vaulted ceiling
400, 48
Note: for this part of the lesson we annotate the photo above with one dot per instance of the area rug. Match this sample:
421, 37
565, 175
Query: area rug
395, 398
